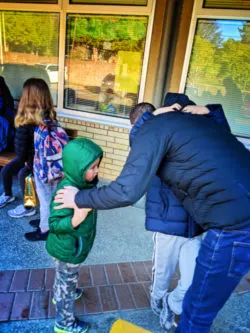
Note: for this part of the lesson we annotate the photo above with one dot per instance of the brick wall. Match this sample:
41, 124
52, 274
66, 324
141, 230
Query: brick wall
113, 140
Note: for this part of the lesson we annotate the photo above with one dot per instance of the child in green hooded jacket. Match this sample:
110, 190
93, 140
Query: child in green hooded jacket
72, 232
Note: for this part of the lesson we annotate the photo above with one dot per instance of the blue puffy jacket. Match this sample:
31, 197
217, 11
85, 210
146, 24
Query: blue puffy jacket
164, 211
205, 166
7, 131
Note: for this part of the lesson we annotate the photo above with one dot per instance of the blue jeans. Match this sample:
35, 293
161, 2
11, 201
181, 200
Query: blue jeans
223, 259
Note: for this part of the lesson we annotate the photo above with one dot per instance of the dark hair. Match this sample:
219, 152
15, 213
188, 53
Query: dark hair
138, 110
182, 99
6, 94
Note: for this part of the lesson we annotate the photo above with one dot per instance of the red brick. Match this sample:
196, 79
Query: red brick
20, 279
98, 275
40, 305
36, 281
127, 272
140, 272
6, 301
49, 278
113, 273
21, 306
5, 280
91, 300
79, 307
140, 296
108, 300
124, 298
146, 287
84, 277
148, 267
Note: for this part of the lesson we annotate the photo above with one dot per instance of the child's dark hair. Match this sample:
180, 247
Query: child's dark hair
138, 110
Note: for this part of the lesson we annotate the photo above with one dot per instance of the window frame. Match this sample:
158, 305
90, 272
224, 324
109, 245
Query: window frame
64, 7
199, 12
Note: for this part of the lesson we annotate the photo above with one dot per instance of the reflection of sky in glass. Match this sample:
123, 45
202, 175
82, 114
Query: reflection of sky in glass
229, 28
227, 60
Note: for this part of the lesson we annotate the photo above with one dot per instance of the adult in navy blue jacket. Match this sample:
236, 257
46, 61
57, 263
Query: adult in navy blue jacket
208, 169
170, 222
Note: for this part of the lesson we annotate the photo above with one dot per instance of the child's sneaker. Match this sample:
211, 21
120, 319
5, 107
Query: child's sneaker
77, 327
6, 199
21, 211
79, 293
167, 315
36, 236
156, 305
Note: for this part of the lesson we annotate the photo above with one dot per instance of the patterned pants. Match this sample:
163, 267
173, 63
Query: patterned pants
64, 292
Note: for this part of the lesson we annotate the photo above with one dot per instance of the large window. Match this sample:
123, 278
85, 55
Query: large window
90, 52
219, 69
29, 48
104, 56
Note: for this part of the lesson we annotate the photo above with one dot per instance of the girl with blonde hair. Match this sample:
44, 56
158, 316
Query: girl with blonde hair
35, 100
39, 104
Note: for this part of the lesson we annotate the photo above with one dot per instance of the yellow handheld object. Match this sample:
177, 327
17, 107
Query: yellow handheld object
123, 326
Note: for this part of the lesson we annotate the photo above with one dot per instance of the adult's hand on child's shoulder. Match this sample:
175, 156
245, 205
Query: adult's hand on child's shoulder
66, 197
196, 109
165, 109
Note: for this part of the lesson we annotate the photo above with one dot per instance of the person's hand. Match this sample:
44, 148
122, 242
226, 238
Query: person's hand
79, 216
66, 197
165, 109
196, 109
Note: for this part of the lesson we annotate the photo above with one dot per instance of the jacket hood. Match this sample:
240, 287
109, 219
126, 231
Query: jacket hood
182, 99
144, 117
77, 157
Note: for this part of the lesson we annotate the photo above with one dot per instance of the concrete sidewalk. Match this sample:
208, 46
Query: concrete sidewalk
121, 239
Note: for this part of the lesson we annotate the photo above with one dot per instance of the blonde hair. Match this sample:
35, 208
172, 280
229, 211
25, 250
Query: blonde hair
36, 100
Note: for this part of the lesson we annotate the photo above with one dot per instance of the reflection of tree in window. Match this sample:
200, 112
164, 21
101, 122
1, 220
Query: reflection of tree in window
219, 70
96, 46
27, 33
125, 34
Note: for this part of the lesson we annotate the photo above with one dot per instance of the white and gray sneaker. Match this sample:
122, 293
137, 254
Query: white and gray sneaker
21, 211
167, 315
156, 305
6, 199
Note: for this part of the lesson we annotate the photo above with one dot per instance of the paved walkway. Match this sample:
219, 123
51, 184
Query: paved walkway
27, 294
115, 279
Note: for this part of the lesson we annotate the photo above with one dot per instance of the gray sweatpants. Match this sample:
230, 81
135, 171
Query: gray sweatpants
44, 193
170, 251
64, 292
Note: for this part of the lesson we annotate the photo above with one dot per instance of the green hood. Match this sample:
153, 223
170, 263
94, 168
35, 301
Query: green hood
64, 242
77, 157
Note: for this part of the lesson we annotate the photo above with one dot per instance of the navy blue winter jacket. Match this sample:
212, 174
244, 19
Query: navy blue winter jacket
7, 131
205, 166
164, 211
